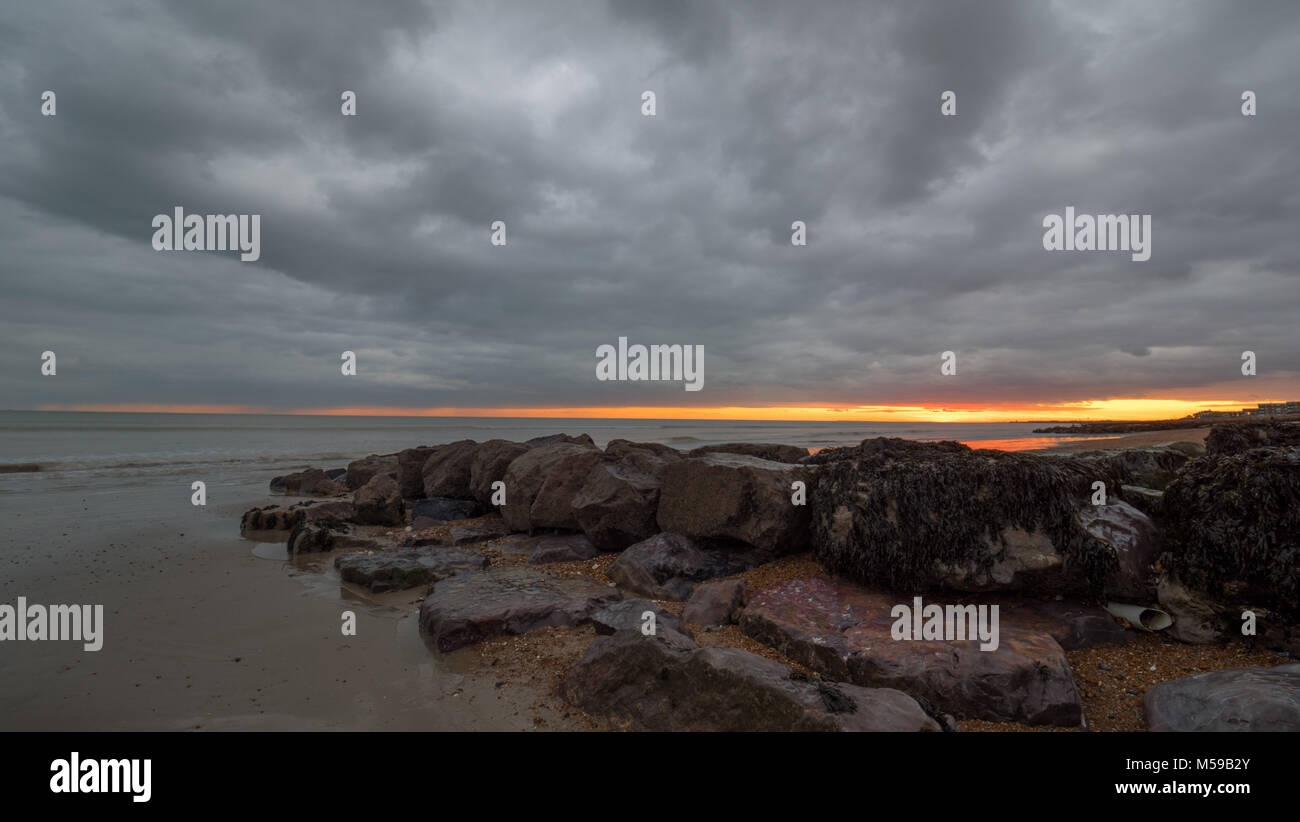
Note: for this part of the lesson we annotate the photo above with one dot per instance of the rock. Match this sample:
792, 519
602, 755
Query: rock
379, 502
481, 532
312, 537
410, 470
446, 472
628, 615
1146, 500
735, 497
491, 459
668, 683
1072, 624
310, 483
541, 484
562, 548
1134, 542
360, 471
844, 632
426, 513
774, 453
397, 568
1239, 699
1226, 439
962, 520
559, 439
653, 452
1233, 522
668, 565
885, 448
716, 603
1191, 449
469, 608
617, 503
1148, 467
272, 518
1199, 619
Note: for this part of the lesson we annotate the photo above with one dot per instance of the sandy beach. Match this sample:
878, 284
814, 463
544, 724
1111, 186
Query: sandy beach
1146, 439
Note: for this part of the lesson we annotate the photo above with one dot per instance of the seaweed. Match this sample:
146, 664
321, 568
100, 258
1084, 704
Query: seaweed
912, 510
1236, 519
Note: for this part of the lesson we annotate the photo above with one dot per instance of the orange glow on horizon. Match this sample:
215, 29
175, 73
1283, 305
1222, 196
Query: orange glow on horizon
1114, 409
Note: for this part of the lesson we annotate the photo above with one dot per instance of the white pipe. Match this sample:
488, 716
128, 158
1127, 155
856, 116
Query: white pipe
1139, 616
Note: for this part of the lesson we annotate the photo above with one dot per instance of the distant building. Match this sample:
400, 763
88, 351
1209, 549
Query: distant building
1272, 409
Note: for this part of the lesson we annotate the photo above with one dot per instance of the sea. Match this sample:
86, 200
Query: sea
45, 450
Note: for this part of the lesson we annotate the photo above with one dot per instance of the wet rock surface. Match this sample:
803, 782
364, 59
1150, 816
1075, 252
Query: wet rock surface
1241, 699
397, 568
668, 565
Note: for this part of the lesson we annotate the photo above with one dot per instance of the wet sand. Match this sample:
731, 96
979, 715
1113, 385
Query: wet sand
200, 634
1146, 439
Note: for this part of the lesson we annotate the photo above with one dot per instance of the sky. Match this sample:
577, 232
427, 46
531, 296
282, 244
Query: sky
924, 231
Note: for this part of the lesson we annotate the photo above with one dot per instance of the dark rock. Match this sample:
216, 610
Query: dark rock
439, 510
1240, 699
735, 497
1133, 540
397, 568
481, 532
310, 483
336, 474
1234, 522
668, 565
627, 615
1148, 467
668, 683
885, 448
312, 537
716, 603
273, 518
469, 608
446, 472
1146, 500
360, 471
1226, 439
410, 470
655, 452
774, 453
559, 439
561, 548
379, 502
1072, 624
962, 520
619, 498
845, 633
491, 459
541, 484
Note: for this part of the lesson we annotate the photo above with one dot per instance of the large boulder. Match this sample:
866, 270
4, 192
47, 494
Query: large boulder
561, 548
885, 448
618, 501
668, 565
542, 482
468, 608
410, 470
915, 518
667, 682
360, 471
764, 451
846, 633
561, 439
446, 472
489, 464
379, 502
629, 615
1226, 439
310, 483
1133, 541
1232, 525
1147, 467
1240, 699
398, 568
733, 496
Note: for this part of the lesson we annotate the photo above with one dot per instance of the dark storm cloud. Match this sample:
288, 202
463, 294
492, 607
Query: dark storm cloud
925, 231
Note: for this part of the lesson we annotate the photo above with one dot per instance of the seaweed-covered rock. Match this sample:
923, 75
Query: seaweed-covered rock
310, 483
271, 519
764, 451
1238, 699
885, 447
542, 482
667, 682
1146, 500
327, 535
489, 464
1234, 520
446, 473
912, 519
1226, 439
1147, 467
732, 496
